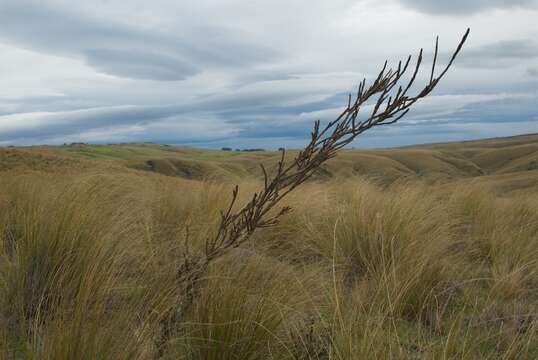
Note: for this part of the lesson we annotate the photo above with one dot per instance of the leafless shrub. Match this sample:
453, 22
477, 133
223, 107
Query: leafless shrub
390, 105
390, 98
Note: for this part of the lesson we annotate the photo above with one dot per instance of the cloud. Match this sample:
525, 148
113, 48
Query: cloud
256, 74
122, 123
139, 64
465, 7
270, 127
500, 54
263, 104
127, 51
438, 116
532, 72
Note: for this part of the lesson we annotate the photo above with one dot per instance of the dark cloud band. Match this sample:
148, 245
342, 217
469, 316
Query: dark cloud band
465, 7
127, 51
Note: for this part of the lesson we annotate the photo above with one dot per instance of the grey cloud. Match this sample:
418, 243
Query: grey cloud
463, 7
441, 115
502, 111
136, 122
533, 71
125, 51
234, 91
139, 64
279, 126
39, 125
247, 108
254, 120
499, 54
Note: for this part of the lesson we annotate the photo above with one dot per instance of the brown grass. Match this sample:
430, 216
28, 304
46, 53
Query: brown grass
88, 270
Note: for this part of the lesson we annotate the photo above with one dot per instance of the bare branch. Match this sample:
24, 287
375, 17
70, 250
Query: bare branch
389, 107
236, 227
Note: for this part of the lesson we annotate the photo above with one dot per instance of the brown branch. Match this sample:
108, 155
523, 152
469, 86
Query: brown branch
236, 228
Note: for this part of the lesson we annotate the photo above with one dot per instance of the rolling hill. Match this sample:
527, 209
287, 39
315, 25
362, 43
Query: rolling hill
416, 252
510, 162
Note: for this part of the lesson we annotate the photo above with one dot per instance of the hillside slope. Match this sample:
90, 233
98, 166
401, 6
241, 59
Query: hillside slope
512, 162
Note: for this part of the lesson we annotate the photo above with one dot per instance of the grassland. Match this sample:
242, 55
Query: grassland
407, 253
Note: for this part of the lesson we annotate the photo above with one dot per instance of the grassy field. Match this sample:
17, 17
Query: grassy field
425, 252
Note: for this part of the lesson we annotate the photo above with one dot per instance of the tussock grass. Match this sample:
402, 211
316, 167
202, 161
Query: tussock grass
88, 269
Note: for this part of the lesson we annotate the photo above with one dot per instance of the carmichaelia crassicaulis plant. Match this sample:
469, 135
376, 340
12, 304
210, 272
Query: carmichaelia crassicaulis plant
388, 96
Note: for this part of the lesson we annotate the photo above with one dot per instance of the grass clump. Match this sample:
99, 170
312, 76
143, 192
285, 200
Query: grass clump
89, 269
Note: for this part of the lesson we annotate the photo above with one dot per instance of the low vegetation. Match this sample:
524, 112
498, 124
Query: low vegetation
412, 270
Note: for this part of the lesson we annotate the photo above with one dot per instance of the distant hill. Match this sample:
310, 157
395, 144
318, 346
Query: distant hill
511, 161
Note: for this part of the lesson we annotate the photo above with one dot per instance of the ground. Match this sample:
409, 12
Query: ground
419, 252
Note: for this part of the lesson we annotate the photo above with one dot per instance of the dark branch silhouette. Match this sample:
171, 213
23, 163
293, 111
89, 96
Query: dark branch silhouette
389, 97
389, 106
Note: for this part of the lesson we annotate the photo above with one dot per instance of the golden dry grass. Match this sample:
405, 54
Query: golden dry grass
358, 270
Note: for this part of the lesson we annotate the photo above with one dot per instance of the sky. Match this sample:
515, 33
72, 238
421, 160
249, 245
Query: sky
253, 73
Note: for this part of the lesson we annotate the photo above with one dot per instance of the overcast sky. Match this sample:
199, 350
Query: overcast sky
255, 73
